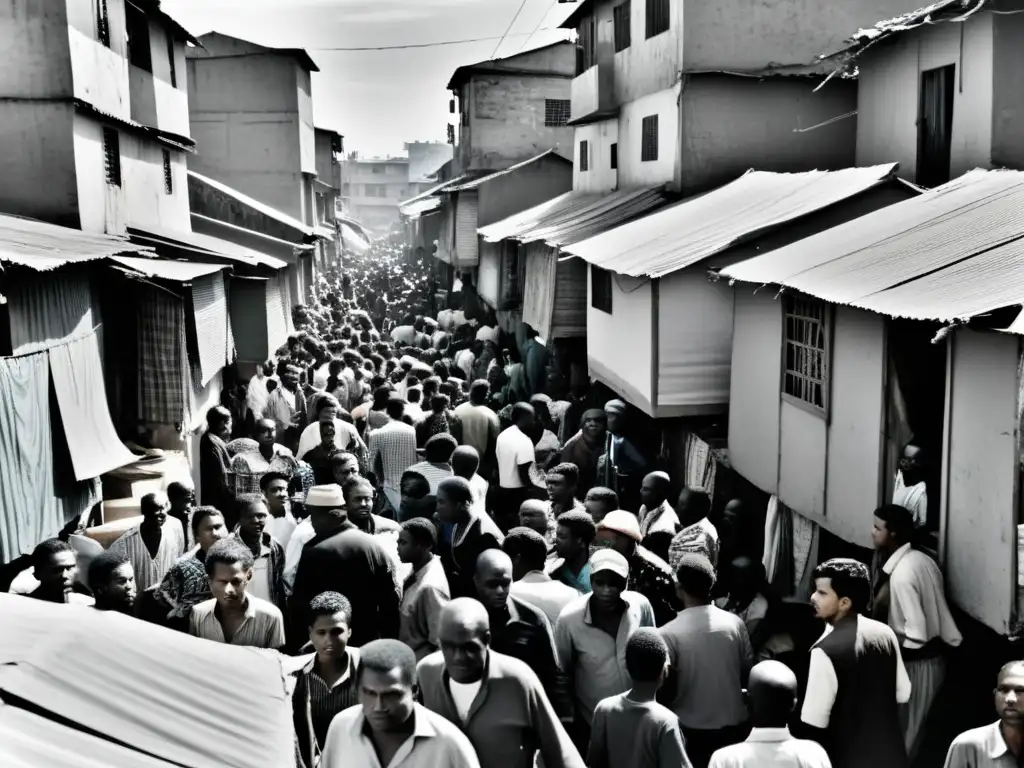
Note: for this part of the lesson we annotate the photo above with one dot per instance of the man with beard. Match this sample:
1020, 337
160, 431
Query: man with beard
113, 583
496, 700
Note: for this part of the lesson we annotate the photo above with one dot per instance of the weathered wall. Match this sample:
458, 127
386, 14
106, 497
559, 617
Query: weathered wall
633, 172
146, 200
154, 101
100, 73
647, 66
101, 205
307, 136
35, 145
890, 84
601, 177
732, 124
1007, 95
507, 120
619, 344
34, 34
523, 189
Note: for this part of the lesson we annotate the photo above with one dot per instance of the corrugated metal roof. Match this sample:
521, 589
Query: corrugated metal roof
431, 197
421, 207
575, 216
42, 246
207, 243
690, 231
178, 271
476, 183
955, 252
322, 230
255, 204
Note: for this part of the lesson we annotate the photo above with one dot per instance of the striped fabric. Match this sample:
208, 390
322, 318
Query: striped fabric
315, 704
149, 570
164, 373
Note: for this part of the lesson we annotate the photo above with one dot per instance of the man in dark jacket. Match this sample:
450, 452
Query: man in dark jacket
471, 535
343, 559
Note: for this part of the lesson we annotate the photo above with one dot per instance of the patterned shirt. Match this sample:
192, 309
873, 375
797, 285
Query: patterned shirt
150, 570
701, 538
185, 585
651, 576
263, 626
394, 447
248, 468
434, 473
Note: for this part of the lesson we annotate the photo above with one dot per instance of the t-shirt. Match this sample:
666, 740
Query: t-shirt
640, 734
477, 423
514, 448
463, 695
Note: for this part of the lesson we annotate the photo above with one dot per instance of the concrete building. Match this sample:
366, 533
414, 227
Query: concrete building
693, 94
375, 187
252, 114
941, 98
94, 123
513, 108
425, 160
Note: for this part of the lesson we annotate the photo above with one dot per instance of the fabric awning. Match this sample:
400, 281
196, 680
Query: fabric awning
188, 701
177, 271
82, 396
43, 246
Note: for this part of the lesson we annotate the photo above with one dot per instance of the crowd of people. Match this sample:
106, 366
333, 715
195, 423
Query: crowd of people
478, 568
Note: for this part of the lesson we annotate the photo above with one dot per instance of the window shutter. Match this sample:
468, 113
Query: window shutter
112, 156
168, 175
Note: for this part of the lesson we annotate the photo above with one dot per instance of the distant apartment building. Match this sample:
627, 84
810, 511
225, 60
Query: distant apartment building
514, 108
94, 122
252, 115
426, 158
375, 186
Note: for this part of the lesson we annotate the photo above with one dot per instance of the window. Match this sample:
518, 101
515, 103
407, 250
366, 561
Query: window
556, 112
102, 23
584, 156
657, 17
170, 58
168, 174
139, 54
586, 53
620, 16
649, 139
614, 152
806, 375
600, 289
935, 126
378, 169
112, 156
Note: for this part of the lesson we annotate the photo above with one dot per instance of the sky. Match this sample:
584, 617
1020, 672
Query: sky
381, 99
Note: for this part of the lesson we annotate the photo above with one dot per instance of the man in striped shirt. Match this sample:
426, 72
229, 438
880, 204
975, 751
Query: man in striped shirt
393, 450
153, 545
232, 616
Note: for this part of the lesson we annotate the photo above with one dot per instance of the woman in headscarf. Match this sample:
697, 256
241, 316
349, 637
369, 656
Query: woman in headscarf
585, 448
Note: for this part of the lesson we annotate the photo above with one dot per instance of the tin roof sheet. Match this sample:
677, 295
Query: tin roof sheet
689, 232
955, 252
255, 204
477, 183
178, 271
575, 216
206, 243
42, 246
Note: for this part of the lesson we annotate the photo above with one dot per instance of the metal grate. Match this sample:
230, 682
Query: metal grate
657, 17
600, 289
112, 156
102, 23
168, 175
139, 53
556, 112
806, 375
614, 152
649, 139
584, 156
620, 18
170, 58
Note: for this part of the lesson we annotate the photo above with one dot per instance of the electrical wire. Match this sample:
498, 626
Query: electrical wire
537, 28
509, 28
420, 45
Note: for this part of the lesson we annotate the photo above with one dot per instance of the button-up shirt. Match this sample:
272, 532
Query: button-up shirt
393, 446
302, 535
263, 626
424, 595
982, 747
918, 612
700, 538
771, 746
595, 659
434, 743
540, 590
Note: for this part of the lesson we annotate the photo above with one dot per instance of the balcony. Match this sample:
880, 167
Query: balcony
585, 94
156, 103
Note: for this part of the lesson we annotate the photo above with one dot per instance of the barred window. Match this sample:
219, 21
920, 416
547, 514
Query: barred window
657, 17
112, 156
620, 18
170, 58
168, 174
556, 112
649, 139
807, 331
102, 23
584, 156
600, 289
613, 151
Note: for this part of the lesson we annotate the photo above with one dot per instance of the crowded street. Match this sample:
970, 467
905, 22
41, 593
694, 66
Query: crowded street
611, 394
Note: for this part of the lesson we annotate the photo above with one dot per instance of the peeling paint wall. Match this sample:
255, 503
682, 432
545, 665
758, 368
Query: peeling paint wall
633, 171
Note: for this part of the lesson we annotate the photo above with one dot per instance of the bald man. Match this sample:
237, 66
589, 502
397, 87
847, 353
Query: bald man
518, 628
771, 698
498, 701
465, 463
658, 520
154, 544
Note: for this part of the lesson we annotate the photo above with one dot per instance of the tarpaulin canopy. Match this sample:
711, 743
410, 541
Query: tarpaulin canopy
176, 698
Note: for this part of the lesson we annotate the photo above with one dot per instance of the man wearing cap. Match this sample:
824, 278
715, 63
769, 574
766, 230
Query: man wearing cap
648, 574
341, 558
437, 454
591, 637
622, 465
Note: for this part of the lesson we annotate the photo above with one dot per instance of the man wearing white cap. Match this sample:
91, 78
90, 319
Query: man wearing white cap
648, 574
591, 636
341, 558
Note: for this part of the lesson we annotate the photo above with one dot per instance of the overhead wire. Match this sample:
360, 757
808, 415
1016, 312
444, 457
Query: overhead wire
509, 28
539, 22
418, 45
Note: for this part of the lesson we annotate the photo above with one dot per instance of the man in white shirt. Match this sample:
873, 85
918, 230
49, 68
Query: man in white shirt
659, 522
910, 490
529, 551
346, 437
480, 425
771, 696
402, 734
698, 533
514, 451
911, 599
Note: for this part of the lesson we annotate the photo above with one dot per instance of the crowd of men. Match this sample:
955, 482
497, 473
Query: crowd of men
476, 571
